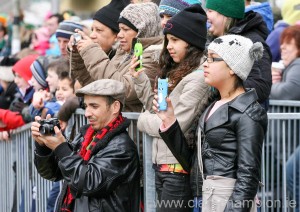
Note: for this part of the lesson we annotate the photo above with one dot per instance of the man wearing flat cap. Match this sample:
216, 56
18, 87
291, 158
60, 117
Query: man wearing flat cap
100, 167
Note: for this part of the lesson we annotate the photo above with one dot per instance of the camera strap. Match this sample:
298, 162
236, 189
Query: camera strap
70, 64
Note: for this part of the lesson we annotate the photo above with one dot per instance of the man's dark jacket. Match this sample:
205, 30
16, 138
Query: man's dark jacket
108, 182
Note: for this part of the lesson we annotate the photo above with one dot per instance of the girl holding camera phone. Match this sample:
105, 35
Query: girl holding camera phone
230, 131
179, 62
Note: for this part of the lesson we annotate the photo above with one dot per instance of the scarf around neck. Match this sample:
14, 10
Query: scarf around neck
91, 138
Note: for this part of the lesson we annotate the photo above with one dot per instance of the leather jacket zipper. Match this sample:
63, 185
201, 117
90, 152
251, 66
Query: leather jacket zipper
197, 178
198, 169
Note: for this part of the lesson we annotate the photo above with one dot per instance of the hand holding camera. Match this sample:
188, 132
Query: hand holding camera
47, 126
137, 59
162, 104
79, 40
76, 38
138, 53
162, 93
47, 132
132, 70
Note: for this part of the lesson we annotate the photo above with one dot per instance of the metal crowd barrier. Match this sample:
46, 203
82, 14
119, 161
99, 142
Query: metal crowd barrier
19, 177
283, 137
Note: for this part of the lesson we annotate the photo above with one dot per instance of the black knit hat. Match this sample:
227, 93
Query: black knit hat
189, 25
109, 14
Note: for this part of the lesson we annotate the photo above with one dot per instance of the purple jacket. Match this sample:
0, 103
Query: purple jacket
273, 40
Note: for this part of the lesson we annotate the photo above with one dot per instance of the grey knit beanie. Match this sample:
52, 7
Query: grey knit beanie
238, 52
144, 17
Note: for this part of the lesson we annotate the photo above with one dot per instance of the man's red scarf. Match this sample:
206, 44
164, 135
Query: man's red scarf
90, 140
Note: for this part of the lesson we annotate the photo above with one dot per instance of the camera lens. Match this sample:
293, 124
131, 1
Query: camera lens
45, 129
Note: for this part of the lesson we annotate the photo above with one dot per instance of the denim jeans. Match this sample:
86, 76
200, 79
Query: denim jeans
51, 202
173, 192
197, 204
293, 168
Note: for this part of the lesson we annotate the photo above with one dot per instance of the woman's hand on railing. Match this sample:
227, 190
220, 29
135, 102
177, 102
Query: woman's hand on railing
168, 117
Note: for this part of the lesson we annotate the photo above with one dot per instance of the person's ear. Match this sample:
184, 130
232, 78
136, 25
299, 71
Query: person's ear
231, 72
116, 106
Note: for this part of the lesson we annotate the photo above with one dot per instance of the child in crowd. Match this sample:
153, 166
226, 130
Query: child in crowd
66, 111
65, 88
18, 113
43, 103
185, 38
55, 68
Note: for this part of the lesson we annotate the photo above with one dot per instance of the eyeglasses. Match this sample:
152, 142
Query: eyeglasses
212, 59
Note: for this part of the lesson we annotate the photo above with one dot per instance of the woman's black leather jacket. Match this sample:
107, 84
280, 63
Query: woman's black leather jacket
232, 139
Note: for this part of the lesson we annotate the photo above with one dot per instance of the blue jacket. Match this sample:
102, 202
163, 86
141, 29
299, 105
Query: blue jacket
273, 40
265, 10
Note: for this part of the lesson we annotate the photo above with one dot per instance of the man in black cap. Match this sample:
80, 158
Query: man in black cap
100, 167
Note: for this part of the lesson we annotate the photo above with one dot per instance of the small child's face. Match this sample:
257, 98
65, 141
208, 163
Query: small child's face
20, 82
64, 90
52, 80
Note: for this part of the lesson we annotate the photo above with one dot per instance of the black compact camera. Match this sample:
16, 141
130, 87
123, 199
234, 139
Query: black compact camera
47, 126
77, 38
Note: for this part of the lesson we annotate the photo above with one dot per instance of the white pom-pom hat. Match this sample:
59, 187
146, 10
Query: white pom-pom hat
238, 52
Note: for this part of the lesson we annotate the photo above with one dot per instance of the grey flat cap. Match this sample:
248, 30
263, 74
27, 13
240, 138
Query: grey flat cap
104, 87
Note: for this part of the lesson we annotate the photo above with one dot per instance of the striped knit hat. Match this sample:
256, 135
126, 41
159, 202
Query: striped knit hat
67, 28
39, 70
172, 7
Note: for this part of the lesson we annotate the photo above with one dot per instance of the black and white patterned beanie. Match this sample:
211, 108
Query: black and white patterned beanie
238, 52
